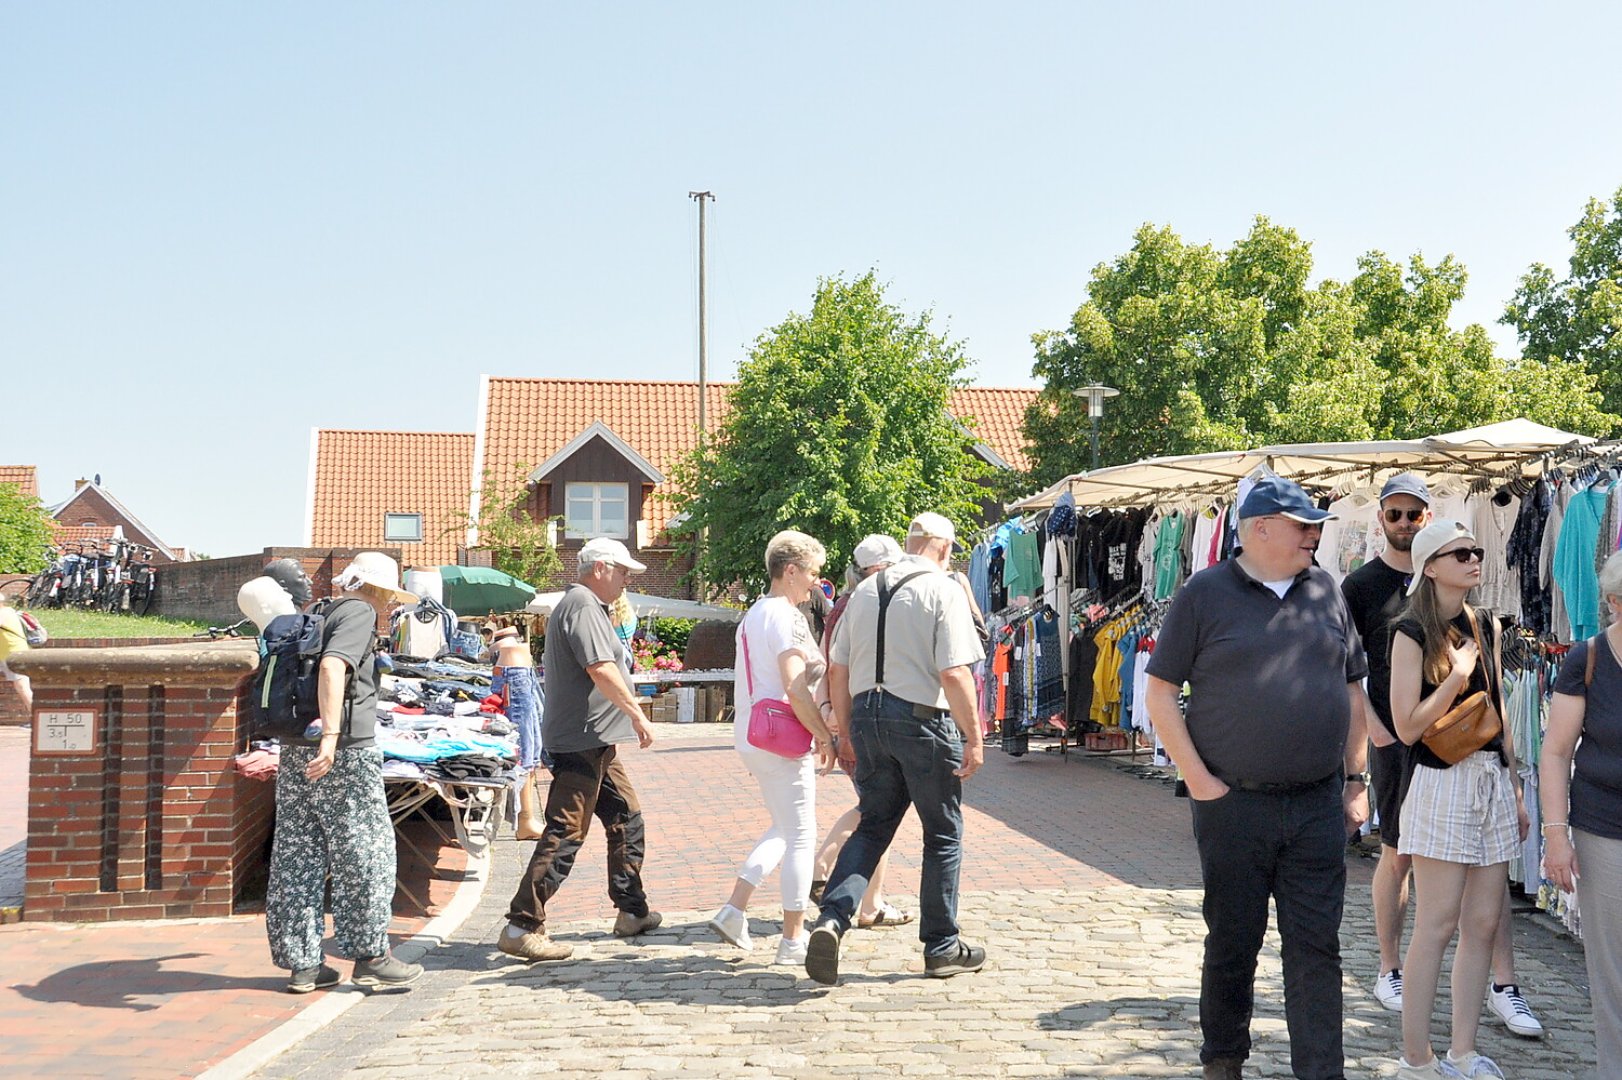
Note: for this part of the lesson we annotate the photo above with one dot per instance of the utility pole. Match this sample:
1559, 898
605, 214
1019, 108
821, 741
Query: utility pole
701, 197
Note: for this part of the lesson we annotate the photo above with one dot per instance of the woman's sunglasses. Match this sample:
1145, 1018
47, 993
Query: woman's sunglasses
1395, 515
1464, 555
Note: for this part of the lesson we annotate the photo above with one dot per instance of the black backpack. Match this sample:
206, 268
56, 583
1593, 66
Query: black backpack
285, 698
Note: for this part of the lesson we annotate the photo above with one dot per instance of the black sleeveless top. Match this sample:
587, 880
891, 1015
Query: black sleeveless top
1418, 752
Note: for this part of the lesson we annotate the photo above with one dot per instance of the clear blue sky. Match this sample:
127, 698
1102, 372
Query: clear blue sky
226, 224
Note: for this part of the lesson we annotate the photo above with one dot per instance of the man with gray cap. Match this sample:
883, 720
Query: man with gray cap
588, 710
901, 687
1274, 719
1375, 593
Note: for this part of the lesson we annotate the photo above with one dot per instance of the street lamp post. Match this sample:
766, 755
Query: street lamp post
1095, 396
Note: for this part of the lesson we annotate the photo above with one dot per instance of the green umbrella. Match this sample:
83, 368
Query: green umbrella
478, 590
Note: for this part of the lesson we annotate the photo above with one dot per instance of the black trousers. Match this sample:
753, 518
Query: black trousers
583, 784
1290, 848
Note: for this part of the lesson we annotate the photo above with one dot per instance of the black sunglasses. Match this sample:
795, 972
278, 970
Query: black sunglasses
1464, 555
1395, 515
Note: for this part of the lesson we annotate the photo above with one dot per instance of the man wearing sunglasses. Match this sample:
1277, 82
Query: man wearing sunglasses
1375, 593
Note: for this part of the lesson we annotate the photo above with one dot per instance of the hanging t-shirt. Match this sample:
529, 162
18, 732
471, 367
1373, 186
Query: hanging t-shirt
1574, 561
1492, 520
1169, 555
1022, 572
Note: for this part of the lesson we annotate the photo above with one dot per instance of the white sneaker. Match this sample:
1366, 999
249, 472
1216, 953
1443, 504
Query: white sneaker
1510, 1007
733, 926
791, 951
1388, 990
1434, 1069
1474, 1065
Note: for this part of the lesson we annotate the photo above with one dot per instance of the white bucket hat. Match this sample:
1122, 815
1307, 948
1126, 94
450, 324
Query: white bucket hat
376, 571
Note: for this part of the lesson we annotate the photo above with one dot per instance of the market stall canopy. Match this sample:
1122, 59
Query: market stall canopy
644, 605
1497, 452
479, 590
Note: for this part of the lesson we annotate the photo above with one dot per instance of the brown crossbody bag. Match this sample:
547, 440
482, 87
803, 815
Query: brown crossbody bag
1472, 723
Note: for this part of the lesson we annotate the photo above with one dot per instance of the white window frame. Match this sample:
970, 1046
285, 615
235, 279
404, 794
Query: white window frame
391, 523
579, 528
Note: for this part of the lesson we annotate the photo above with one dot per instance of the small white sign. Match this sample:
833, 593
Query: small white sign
65, 732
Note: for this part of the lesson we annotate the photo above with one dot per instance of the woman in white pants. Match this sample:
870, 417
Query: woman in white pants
1582, 809
778, 658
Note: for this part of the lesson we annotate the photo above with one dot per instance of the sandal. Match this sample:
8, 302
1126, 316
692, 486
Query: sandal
888, 915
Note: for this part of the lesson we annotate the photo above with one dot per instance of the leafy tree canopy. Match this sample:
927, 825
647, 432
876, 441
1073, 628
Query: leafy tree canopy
518, 544
1226, 350
1578, 319
838, 427
26, 532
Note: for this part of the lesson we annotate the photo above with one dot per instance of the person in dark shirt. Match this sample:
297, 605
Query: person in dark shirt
332, 817
1274, 726
1581, 791
1375, 593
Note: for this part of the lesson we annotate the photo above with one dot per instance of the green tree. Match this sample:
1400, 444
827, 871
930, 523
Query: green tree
26, 532
838, 427
1578, 319
1216, 350
518, 543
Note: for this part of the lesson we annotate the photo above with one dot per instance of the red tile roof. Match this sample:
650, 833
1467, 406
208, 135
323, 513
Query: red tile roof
23, 476
359, 476
526, 421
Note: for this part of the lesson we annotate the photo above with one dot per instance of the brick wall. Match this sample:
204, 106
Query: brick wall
154, 822
663, 577
207, 589
11, 703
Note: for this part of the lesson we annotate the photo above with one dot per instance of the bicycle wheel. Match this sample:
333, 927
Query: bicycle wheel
17, 592
149, 592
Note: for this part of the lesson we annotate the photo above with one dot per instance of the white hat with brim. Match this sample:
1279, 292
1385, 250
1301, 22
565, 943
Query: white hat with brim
1431, 539
608, 550
376, 573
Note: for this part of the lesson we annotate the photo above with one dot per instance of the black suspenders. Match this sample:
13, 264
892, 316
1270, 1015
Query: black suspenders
885, 594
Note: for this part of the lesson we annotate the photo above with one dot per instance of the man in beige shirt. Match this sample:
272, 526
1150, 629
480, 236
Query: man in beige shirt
901, 689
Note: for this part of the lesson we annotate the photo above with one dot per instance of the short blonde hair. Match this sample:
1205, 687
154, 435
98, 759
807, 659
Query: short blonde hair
791, 548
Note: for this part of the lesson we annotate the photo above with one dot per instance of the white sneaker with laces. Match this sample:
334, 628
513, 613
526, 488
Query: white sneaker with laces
791, 951
1475, 1065
733, 926
1511, 1008
1434, 1069
1388, 990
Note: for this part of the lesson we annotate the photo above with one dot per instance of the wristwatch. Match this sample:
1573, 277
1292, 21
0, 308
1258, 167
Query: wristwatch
1360, 777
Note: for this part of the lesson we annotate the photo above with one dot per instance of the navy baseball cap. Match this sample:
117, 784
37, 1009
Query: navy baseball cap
1406, 484
1275, 495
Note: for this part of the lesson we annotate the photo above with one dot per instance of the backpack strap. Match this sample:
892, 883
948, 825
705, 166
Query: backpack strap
886, 592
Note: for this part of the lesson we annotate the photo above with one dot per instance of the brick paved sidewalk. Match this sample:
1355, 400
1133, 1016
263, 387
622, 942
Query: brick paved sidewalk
1079, 878
153, 999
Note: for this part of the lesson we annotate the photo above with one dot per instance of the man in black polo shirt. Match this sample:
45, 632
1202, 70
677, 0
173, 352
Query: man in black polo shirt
1274, 724
1375, 593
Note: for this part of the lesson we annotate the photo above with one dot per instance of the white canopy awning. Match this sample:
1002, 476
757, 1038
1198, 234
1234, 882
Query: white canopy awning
1497, 451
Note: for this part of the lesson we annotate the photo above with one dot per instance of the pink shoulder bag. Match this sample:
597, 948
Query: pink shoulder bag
772, 724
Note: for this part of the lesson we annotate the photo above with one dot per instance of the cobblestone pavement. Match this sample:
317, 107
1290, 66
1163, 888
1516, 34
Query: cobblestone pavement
1079, 878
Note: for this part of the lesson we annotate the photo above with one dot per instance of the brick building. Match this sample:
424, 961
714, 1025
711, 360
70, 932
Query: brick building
595, 453
92, 513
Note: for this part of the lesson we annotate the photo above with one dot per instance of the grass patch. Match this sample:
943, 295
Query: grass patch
72, 623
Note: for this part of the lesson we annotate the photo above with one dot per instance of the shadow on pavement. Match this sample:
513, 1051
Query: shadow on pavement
121, 984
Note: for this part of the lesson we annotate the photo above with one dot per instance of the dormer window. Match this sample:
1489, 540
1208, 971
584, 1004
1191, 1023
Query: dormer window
596, 510
402, 528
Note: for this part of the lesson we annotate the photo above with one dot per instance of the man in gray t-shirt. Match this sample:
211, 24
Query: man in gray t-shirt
588, 710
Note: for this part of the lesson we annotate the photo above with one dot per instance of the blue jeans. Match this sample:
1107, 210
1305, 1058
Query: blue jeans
1292, 848
901, 761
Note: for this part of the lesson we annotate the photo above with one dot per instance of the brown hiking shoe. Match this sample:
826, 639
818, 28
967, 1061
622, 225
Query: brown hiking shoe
1225, 1069
628, 925
532, 945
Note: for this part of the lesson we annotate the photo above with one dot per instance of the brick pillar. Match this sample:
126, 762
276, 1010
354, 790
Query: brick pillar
134, 811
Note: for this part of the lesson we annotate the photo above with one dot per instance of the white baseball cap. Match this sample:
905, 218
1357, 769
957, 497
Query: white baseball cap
875, 550
608, 550
932, 524
1431, 539
376, 571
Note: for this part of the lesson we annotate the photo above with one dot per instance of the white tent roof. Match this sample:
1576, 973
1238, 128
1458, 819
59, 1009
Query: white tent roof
645, 605
1496, 451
